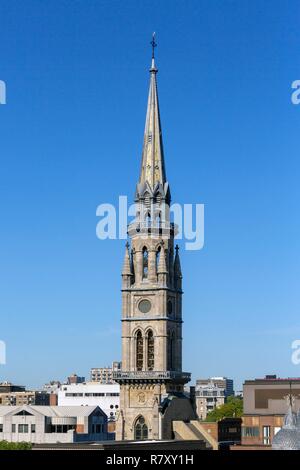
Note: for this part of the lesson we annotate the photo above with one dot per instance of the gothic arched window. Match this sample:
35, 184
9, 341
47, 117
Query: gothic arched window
170, 352
150, 350
158, 220
139, 351
140, 429
158, 253
148, 220
145, 263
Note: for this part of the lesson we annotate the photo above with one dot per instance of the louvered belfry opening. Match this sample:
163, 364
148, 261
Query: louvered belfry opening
150, 350
139, 351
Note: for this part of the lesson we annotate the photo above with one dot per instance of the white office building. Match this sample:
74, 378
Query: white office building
106, 396
52, 424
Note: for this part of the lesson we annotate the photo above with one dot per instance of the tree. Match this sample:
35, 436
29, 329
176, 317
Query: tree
233, 408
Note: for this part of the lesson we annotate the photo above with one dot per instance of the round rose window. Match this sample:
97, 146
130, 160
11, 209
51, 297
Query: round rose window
145, 306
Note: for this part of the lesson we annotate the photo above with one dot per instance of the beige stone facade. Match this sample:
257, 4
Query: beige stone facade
151, 379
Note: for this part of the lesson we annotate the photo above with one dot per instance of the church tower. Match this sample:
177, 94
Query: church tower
151, 380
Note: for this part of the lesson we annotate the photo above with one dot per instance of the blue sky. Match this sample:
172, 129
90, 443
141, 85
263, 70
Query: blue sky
71, 138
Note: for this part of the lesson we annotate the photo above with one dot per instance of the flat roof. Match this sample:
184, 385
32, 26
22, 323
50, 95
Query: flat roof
270, 380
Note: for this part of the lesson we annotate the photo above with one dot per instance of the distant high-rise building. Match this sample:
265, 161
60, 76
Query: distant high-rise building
212, 393
27, 397
52, 386
75, 379
221, 382
7, 387
104, 375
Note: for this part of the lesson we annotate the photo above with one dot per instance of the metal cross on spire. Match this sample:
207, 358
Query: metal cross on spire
153, 44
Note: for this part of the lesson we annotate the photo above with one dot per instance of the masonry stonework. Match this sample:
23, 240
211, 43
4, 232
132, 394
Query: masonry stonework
151, 380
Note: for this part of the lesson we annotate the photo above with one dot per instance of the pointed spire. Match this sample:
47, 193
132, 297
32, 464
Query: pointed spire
162, 267
153, 166
126, 266
177, 266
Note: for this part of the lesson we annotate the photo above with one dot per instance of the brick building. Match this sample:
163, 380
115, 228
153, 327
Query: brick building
265, 404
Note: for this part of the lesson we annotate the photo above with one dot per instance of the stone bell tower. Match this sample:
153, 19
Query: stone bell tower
151, 380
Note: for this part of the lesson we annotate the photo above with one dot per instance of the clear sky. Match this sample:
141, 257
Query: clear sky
71, 138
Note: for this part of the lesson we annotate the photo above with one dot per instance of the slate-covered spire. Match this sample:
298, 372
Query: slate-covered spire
153, 172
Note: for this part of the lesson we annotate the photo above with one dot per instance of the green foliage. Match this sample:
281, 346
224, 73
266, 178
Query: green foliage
233, 408
4, 445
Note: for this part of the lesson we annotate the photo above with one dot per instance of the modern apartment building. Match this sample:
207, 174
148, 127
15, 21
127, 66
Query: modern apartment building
221, 382
75, 379
26, 397
104, 375
7, 387
211, 393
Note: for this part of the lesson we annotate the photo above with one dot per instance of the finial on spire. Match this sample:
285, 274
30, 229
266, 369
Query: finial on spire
153, 44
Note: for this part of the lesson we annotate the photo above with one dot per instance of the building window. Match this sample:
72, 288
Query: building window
61, 428
99, 428
158, 254
139, 351
23, 428
23, 413
33, 428
276, 429
1, 427
140, 429
158, 220
150, 350
144, 306
145, 263
250, 431
13, 428
266, 435
170, 347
